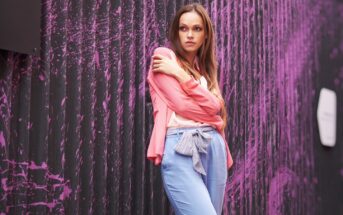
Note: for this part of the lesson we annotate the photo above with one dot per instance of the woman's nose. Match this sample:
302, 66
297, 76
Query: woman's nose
189, 34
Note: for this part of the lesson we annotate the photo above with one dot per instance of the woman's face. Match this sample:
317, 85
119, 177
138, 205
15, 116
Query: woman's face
191, 32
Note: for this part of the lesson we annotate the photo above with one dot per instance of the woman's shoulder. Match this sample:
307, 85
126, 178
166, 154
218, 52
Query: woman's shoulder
165, 51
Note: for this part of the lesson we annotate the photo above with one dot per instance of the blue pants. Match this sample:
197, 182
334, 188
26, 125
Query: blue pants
189, 192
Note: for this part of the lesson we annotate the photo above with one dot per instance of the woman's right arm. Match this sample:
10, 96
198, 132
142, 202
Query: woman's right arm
170, 91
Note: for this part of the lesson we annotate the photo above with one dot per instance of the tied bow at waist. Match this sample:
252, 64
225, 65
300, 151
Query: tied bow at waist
192, 143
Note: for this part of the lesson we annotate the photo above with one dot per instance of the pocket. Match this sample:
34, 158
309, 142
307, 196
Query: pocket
169, 144
222, 143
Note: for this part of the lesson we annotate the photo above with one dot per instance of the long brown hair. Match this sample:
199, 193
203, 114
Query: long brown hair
206, 53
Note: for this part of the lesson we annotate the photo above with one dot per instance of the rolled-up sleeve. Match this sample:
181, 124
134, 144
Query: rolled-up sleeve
204, 98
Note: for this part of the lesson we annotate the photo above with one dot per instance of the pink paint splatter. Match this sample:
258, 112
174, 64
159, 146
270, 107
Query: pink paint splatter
284, 182
2, 139
34, 166
63, 101
4, 184
96, 59
66, 193
41, 77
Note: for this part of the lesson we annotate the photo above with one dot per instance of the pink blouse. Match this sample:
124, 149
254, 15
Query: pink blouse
189, 99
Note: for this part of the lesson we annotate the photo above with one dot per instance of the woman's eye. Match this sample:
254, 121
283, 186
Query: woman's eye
182, 28
197, 28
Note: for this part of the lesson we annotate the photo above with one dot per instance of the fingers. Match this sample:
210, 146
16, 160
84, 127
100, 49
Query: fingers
158, 56
157, 61
155, 66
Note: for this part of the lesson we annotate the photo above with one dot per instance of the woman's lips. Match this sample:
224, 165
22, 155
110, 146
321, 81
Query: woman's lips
190, 43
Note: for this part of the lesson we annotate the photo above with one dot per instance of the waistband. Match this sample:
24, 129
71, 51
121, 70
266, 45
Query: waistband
171, 131
194, 140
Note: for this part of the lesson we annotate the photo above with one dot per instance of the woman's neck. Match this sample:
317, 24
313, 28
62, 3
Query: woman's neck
190, 58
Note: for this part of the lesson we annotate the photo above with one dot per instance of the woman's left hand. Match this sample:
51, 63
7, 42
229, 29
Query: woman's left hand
165, 65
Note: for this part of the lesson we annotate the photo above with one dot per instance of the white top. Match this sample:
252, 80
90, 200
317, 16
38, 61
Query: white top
177, 121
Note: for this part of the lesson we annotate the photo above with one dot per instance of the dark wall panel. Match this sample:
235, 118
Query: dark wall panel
20, 26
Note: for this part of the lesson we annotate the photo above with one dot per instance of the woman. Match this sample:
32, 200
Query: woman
189, 116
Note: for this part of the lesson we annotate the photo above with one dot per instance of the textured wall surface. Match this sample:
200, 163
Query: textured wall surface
75, 121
